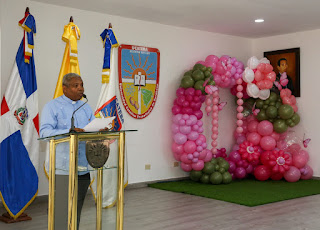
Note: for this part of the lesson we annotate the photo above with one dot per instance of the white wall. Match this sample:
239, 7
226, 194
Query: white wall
308, 42
179, 49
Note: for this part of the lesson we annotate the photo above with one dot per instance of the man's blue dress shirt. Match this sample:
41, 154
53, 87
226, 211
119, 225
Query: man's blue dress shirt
56, 119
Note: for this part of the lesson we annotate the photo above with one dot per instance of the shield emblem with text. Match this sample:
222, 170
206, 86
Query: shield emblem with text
138, 79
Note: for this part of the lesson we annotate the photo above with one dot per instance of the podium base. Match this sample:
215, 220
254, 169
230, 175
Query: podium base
9, 220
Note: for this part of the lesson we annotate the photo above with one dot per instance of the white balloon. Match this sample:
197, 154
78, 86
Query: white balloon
253, 62
248, 75
253, 90
264, 60
264, 94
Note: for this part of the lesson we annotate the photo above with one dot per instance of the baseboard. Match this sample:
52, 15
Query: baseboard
145, 183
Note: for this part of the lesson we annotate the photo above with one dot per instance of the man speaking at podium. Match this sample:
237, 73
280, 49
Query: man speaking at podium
56, 119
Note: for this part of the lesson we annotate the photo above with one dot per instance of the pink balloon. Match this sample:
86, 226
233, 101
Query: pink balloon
268, 84
212, 59
198, 166
201, 62
190, 147
304, 153
177, 156
176, 109
175, 128
261, 67
180, 138
232, 166
186, 167
177, 148
193, 135
208, 156
234, 156
268, 68
271, 76
265, 128
224, 59
275, 135
292, 175
184, 158
202, 138
240, 139
267, 143
308, 173
252, 126
185, 129
219, 69
240, 172
198, 114
299, 161
254, 138
258, 76
180, 92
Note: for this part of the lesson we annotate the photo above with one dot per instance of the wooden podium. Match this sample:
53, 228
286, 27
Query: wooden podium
73, 139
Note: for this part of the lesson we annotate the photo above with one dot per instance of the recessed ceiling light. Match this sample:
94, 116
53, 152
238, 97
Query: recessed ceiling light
259, 20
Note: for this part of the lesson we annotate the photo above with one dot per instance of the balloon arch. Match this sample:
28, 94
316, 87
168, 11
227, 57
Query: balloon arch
265, 111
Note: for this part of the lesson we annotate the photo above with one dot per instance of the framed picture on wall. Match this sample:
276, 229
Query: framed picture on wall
288, 61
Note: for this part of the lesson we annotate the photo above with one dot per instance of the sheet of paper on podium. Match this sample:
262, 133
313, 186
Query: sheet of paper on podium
99, 123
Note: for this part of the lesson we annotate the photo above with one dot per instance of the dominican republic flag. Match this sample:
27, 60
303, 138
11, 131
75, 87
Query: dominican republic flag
19, 150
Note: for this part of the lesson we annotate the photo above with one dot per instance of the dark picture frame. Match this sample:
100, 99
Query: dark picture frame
293, 61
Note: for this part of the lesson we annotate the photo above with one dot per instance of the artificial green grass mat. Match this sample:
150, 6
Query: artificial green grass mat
247, 192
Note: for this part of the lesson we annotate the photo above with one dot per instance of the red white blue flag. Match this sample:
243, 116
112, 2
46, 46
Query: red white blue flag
19, 150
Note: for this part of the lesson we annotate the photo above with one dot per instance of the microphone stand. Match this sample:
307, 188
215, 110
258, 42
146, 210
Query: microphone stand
72, 130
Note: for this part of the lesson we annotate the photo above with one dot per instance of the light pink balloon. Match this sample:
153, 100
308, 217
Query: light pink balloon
254, 138
180, 138
185, 129
193, 135
267, 143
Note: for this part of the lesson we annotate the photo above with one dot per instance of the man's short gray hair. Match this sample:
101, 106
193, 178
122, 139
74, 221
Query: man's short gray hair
67, 78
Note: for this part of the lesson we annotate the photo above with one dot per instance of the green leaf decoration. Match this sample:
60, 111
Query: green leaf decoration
146, 96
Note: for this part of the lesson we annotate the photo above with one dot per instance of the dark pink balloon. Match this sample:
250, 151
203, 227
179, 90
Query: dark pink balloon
240, 173
180, 92
176, 110
234, 156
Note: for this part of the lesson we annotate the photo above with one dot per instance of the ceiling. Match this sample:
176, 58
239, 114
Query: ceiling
233, 17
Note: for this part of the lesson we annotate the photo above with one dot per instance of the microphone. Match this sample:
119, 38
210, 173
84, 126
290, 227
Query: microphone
72, 130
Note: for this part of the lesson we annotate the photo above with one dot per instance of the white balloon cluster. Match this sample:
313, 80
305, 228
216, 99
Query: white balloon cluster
249, 76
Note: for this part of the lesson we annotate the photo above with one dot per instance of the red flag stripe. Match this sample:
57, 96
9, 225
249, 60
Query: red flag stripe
4, 106
36, 122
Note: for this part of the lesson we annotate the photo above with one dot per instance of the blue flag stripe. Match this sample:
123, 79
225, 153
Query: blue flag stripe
18, 177
27, 72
